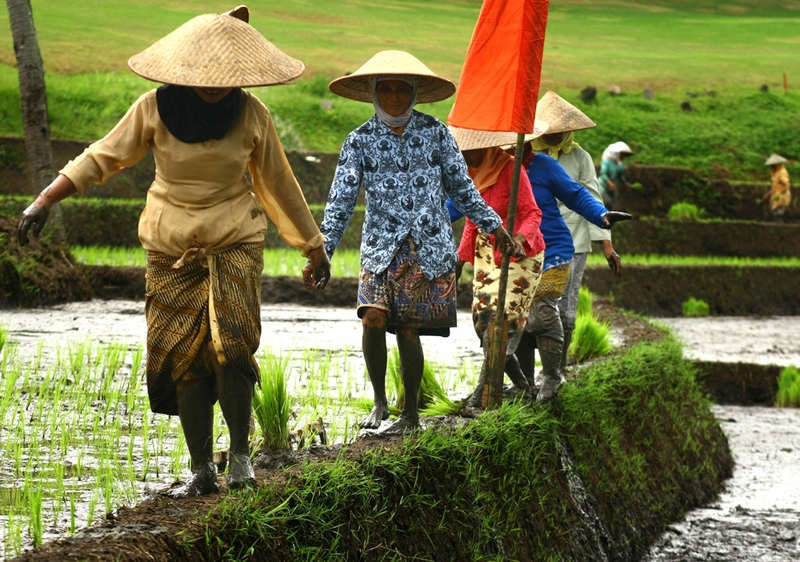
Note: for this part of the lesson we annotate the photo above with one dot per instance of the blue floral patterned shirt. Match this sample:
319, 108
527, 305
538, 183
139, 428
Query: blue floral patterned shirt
406, 181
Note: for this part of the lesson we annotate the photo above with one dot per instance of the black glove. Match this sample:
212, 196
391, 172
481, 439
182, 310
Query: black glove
615, 216
34, 217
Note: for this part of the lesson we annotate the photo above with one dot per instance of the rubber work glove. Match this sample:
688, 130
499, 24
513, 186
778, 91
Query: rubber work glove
34, 216
612, 217
503, 242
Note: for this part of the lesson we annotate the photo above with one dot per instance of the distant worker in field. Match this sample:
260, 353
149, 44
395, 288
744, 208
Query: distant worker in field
612, 173
780, 196
563, 119
203, 226
408, 164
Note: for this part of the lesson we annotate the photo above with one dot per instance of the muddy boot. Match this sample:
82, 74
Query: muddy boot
196, 412
562, 367
526, 357
550, 352
236, 401
514, 372
373, 344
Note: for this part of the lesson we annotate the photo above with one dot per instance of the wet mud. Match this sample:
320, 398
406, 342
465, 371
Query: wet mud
757, 517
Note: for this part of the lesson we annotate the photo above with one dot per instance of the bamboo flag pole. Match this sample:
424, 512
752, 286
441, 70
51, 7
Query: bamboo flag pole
499, 326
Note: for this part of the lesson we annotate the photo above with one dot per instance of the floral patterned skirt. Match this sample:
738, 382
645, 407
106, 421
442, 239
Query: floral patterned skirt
523, 278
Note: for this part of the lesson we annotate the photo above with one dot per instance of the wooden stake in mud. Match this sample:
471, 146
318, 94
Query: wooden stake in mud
499, 338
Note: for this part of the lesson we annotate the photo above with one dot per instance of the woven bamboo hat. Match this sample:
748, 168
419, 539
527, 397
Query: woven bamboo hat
470, 139
356, 86
775, 159
216, 51
560, 115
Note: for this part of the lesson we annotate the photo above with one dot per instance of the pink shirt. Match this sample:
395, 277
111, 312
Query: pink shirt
527, 220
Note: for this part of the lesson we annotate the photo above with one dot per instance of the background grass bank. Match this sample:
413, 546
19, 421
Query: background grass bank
720, 53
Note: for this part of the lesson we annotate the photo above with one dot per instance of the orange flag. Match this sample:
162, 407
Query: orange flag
499, 83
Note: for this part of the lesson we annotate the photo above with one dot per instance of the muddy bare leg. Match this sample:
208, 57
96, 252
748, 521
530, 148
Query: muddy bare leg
373, 343
236, 401
196, 412
412, 364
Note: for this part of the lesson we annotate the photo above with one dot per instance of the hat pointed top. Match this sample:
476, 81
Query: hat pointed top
216, 51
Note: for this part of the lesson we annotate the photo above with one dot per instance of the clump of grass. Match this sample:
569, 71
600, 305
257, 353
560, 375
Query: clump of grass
433, 399
695, 308
585, 300
271, 401
685, 211
590, 338
788, 395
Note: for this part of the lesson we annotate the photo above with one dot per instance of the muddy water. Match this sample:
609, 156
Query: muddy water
756, 518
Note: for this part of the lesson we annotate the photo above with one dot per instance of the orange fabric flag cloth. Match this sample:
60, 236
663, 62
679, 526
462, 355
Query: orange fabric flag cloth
499, 84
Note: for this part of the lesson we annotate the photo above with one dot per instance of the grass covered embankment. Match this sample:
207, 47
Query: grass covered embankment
630, 446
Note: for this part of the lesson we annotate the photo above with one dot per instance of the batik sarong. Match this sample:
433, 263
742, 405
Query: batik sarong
192, 302
411, 300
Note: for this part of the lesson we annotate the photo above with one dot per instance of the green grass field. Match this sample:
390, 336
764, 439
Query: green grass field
674, 47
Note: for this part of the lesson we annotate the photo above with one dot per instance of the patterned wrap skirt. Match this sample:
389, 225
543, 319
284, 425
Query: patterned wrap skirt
523, 278
191, 302
411, 300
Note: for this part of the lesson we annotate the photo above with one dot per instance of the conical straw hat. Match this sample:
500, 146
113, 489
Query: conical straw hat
775, 159
470, 139
356, 86
216, 51
561, 115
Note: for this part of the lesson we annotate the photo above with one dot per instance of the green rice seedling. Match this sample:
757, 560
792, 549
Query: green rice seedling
433, 398
695, 308
591, 338
35, 527
685, 211
788, 395
271, 406
585, 300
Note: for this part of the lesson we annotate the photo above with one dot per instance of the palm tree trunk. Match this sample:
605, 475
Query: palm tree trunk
34, 104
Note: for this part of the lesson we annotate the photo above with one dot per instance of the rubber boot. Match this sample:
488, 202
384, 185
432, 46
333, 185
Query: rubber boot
515, 373
550, 353
412, 364
565, 350
236, 401
373, 343
196, 412
476, 399
526, 356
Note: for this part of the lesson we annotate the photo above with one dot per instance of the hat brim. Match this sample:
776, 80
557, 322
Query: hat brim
356, 86
470, 139
216, 51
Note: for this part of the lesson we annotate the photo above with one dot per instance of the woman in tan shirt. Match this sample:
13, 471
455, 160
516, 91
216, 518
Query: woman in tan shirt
203, 226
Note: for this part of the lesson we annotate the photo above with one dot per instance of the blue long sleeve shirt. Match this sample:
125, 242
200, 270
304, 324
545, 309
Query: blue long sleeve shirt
550, 184
406, 180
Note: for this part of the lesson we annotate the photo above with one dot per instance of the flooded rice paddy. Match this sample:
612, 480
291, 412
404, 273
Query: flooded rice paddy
77, 438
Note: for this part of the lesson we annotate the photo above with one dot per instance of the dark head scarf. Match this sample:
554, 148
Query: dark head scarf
190, 119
